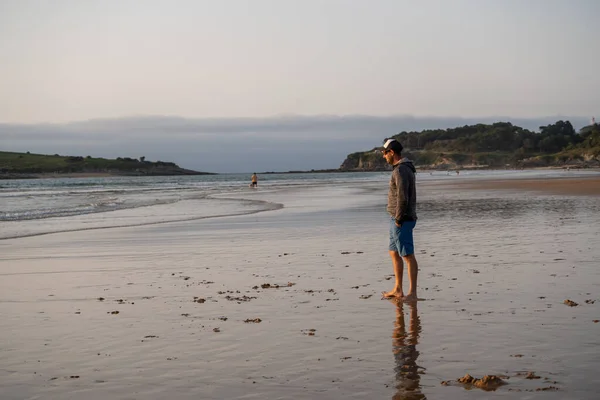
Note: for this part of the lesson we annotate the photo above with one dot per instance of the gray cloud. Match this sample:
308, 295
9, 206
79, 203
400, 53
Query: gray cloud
233, 144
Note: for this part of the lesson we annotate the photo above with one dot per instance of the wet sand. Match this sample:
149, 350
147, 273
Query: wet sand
576, 186
286, 303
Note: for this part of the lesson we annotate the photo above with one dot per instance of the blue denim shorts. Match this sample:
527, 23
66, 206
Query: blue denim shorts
401, 238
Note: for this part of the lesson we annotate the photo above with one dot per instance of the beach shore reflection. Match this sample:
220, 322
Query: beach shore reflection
404, 347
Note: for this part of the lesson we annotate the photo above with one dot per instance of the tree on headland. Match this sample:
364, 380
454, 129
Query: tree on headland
558, 128
590, 136
555, 137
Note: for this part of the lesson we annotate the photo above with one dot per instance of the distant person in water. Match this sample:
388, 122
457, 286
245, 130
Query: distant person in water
254, 180
402, 207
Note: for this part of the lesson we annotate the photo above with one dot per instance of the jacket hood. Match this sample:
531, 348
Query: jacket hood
408, 163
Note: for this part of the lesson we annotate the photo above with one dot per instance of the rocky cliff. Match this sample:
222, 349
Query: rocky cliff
365, 161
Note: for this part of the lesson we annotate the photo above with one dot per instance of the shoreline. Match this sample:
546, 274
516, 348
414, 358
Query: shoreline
50, 175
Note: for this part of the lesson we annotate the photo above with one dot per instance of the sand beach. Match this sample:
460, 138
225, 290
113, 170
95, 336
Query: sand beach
589, 185
285, 303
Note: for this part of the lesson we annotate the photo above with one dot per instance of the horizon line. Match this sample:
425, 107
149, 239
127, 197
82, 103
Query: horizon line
290, 116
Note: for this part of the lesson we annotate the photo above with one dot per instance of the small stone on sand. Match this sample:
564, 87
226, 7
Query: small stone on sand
531, 375
488, 382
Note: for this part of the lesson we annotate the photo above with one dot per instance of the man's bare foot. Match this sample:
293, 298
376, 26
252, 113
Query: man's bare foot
392, 294
410, 297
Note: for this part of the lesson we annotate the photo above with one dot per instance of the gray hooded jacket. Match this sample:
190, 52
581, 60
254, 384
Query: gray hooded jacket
402, 197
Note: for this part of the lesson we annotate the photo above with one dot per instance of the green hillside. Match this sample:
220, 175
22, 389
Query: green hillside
498, 145
16, 164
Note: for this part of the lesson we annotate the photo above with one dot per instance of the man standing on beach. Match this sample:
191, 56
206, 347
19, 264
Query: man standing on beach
254, 180
402, 207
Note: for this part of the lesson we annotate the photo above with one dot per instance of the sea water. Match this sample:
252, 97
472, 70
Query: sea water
41, 206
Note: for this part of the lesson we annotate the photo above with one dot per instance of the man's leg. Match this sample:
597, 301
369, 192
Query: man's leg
398, 271
413, 269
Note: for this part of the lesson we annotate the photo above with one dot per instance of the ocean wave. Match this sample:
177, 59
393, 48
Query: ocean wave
99, 206
190, 210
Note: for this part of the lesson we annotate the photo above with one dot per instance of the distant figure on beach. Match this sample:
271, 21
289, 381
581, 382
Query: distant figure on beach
254, 180
402, 207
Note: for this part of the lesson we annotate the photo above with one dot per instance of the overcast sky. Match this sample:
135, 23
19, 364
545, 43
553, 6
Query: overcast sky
73, 60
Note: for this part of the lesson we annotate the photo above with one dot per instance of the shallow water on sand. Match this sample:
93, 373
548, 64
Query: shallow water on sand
495, 268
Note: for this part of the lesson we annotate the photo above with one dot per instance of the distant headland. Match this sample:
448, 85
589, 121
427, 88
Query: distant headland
490, 146
27, 165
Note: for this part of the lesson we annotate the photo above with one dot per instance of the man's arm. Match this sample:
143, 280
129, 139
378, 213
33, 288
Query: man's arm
400, 196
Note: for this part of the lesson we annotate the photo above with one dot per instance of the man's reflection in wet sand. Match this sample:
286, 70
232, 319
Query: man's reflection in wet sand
404, 345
